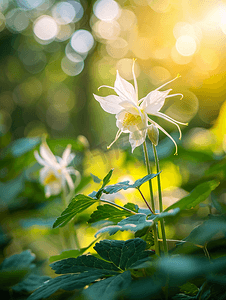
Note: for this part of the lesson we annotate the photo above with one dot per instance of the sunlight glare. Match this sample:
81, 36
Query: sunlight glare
82, 41
186, 45
45, 28
63, 12
106, 10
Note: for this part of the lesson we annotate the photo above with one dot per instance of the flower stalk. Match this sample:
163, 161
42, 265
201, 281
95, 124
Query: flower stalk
155, 231
165, 248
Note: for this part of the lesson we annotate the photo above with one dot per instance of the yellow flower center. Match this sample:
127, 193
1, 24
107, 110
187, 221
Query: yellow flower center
49, 179
131, 119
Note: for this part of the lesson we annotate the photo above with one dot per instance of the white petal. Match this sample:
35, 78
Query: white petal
137, 138
119, 132
39, 159
110, 103
135, 80
124, 89
164, 131
169, 119
130, 107
71, 170
68, 179
47, 154
154, 101
66, 153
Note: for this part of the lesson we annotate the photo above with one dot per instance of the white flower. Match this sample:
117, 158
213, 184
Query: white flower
132, 114
55, 172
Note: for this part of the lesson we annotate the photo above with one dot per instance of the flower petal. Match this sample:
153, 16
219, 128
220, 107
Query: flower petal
130, 107
119, 132
47, 154
171, 120
110, 103
137, 138
164, 131
67, 156
124, 89
39, 159
154, 101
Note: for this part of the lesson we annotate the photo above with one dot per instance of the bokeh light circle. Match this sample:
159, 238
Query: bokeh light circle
17, 20
71, 68
124, 66
45, 28
106, 10
29, 4
186, 45
82, 41
63, 13
72, 55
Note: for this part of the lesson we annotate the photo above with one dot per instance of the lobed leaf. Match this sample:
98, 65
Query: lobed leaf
197, 195
70, 253
107, 178
95, 178
14, 268
31, 283
77, 205
108, 212
124, 185
84, 263
108, 288
203, 233
65, 282
122, 253
134, 223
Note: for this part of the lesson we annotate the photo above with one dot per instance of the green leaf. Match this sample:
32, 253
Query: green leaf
14, 268
108, 212
31, 283
132, 207
84, 263
133, 223
108, 288
197, 195
124, 185
203, 233
165, 214
77, 205
66, 282
95, 178
70, 253
107, 178
189, 289
17, 261
122, 253
105, 182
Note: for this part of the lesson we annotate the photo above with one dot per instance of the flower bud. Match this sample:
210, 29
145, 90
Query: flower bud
83, 140
153, 134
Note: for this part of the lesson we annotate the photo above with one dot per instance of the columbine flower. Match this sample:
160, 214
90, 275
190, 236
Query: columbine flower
132, 114
56, 173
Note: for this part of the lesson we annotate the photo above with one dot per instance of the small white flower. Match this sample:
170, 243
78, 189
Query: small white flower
132, 114
55, 172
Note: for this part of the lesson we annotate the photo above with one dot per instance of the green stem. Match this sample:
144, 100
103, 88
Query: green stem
160, 200
145, 201
69, 230
155, 231
149, 172
114, 204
